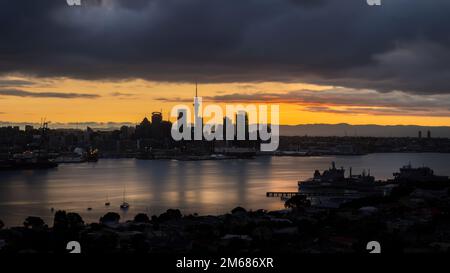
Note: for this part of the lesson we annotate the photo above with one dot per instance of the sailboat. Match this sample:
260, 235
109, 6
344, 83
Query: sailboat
124, 204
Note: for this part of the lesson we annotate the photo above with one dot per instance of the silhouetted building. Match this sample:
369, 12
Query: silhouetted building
428, 134
242, 116
198, 119
143, 130
156, 118
145, 122
420, 134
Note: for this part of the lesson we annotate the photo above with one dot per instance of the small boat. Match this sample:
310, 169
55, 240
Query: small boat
107, 203
124, 205
89, 209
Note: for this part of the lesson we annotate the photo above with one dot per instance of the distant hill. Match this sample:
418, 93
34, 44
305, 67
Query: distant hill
344, 129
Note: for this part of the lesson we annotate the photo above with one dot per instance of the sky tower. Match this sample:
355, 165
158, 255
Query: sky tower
197, 103
198, 121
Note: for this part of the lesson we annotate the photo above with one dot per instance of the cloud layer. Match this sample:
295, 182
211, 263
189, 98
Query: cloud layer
57, 95
344, 101
402, 45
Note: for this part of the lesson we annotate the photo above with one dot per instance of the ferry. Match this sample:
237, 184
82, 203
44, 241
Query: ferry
420, 174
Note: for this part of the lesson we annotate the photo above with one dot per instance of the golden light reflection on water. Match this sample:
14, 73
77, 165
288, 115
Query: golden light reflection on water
152, 187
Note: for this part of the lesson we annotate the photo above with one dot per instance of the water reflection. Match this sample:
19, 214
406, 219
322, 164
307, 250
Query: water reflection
204, 187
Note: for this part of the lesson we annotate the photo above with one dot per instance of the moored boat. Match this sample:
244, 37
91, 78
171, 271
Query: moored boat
27, 161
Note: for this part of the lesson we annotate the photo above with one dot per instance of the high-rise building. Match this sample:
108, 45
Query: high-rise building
242, 116
157, 118
420, 134
196, 103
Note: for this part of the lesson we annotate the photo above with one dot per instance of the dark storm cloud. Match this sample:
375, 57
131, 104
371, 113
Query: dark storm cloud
402, 45
23, 93
8, 83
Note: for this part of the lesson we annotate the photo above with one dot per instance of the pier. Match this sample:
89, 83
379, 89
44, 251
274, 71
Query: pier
281, 194
321, 194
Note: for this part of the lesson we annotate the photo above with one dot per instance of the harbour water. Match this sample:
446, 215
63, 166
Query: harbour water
203, 187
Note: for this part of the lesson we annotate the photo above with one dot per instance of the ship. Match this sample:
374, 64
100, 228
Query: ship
335, 179
419, 174
70, 158
332, 187
79, 155
31, 159
27, 161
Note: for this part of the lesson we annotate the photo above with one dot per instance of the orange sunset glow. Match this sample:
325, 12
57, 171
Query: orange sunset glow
131, 100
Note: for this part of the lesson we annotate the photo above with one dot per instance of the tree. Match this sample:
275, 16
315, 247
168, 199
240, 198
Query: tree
110, 218
299, 201
34, 222
141, 218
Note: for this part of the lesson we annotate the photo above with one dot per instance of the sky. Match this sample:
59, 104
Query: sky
322, 61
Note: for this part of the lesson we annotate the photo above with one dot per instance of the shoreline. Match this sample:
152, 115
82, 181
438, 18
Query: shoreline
409, 220
273, 154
